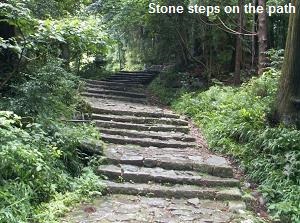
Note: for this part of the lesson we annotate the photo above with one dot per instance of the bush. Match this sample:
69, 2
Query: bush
47, 90
236, 121
83, 188
170, 86
93, 71
37, 162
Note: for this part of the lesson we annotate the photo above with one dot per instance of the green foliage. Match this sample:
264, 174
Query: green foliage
84, 188
169, 86
82, 35
276, 57
46, 91
38, 162
94, 71
41, 159
237, 121
15, 202
70, 37
55, 9
163, 87
16, 14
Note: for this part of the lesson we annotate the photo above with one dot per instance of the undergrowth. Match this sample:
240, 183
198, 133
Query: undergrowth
43, 167
45, 90
38, 163
169, 86
94, 71
83, 188
237, 122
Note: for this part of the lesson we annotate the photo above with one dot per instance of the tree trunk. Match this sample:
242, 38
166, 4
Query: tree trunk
7, 57
262, 37
239, 48
65, 54
271, 34
288, 104
254, 41
210, 63
183, 42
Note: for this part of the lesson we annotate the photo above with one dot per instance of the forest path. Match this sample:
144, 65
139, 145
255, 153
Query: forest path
156, 170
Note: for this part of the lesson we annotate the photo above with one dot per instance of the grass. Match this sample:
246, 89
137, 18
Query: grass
237, 121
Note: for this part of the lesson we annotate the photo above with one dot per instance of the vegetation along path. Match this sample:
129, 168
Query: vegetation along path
155, 169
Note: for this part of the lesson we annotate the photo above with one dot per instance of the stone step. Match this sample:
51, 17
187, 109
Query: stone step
117, 98
116, 139
149, 134
135, 73
116, 88
165, 136
129, 82
174, 191
139, 120
149, 153
99, 110
115, 93
136, 209
110, 83
138, 72
137, 174
142, 127
129, 77
189, 159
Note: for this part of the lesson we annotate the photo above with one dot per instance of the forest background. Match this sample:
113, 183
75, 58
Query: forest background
222, 70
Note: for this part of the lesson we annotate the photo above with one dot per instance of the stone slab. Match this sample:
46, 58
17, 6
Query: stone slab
135, 209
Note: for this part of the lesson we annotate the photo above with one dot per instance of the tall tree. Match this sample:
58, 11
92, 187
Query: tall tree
239, 47
254, 40
7, 56
288, 106
262, 37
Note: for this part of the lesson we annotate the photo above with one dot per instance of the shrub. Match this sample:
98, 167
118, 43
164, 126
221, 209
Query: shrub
37, 162
236, 122
47, 90
84, 187
170, 86
94, 71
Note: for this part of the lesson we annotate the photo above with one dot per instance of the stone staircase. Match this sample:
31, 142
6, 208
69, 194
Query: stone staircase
153, 160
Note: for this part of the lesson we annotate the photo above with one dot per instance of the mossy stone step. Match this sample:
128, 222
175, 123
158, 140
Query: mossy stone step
116, 139
188, 159
138, 113
116, 93
138, 73
130, 77
117, 88
137, 209
142, 127
130, 173
121, 81
139, 120
116, 98
103, 82
182, 137
173, 191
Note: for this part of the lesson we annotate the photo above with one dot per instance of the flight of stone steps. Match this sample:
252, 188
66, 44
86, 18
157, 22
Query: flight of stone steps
150, 154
